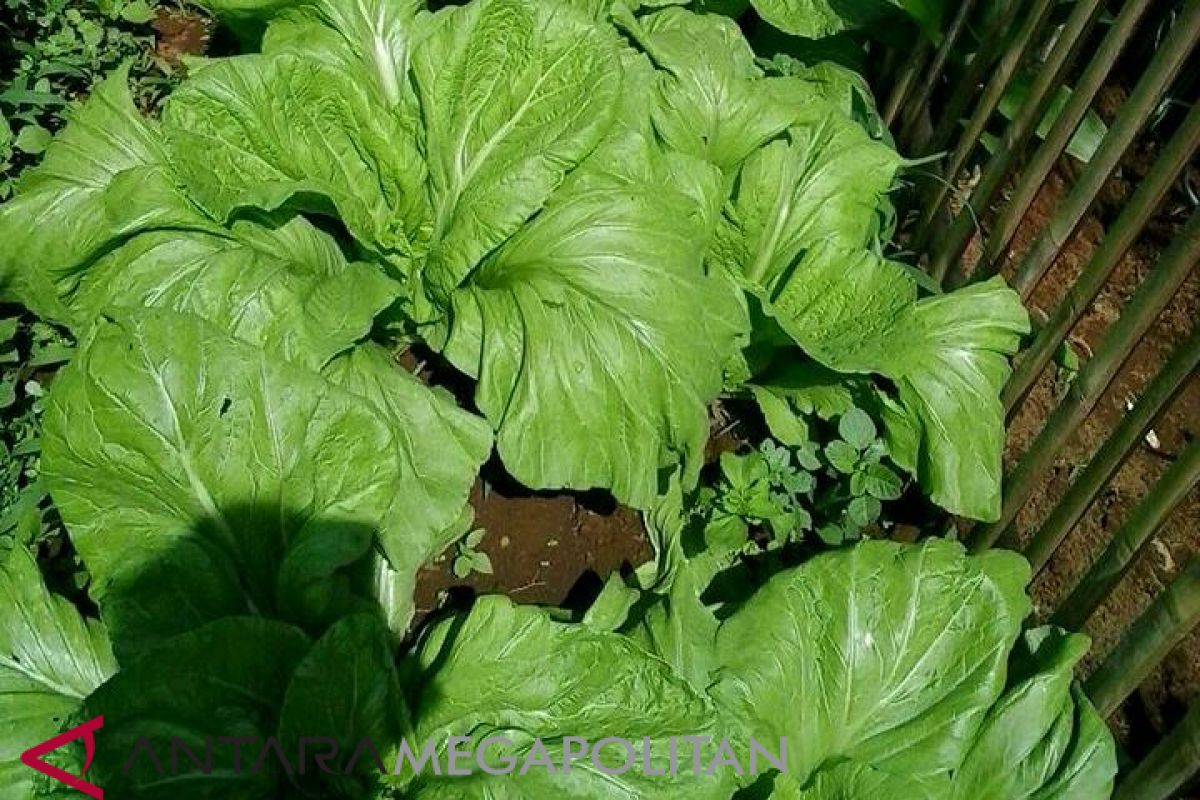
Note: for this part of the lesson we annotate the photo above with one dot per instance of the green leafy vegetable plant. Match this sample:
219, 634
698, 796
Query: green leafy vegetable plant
894, 670
556, 256
605, 218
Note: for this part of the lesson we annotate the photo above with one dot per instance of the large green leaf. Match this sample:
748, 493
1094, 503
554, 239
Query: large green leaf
508, 670
598, 295
513, 94
292, 129
810, 18
287, 289
441, 448
51, 658
713, 101
796, 232
824, 182
1043, 739
102, 179
950, 366
947, 354
187, 464
838, 84
224, 681
345, 689
884, 654
817, 18
888, 667
373, 38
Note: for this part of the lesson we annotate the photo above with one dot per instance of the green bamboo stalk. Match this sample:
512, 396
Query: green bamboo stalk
1134, 217
1169, 766
988, 102
886, 75
1172, 616
1083, 93
1122, 337
1141, 104
905, 80
934, 73
1115, 450
992, 44
1137, 531
1050, 76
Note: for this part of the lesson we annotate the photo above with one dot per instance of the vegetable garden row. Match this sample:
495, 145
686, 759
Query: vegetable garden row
613, 232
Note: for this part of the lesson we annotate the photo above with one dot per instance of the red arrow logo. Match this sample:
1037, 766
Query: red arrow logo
87, 731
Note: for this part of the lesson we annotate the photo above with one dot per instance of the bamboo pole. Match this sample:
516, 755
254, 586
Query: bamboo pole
1033, 174
1141, 104
936, 68
1137, 531
1169, 766
1122, 337
886, 74
1115, 450
904, 82
1141, 208
991, 45
1050, 76
988, 102
1172, 616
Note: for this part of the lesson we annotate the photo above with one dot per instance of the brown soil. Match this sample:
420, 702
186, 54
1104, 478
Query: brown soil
1162, 698
181, 33
554, 550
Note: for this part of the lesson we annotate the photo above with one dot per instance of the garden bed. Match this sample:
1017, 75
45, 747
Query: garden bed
517, 367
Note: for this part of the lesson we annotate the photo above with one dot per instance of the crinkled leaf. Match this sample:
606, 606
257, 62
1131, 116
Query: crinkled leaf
818, 18
51, 658
805, 387
713, 101
597, 295
288, 128
102, 179
905, 647
812, 19
513, 94
838, 84
226, 679
823, 183
346, 689
287, 289
371, 38
510, 670
186, 464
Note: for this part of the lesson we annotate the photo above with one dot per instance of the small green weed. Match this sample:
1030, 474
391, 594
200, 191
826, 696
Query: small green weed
833, 489
52, 53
